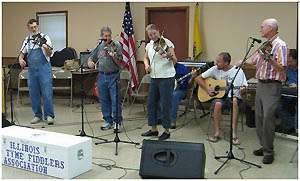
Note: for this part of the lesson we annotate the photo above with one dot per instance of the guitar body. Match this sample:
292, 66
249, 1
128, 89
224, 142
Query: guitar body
218, 85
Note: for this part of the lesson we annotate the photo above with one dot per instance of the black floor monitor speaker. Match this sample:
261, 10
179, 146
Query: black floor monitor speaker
170, 159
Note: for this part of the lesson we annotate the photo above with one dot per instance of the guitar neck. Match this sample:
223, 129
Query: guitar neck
186, 75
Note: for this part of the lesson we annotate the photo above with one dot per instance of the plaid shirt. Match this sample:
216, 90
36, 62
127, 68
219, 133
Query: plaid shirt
264, 69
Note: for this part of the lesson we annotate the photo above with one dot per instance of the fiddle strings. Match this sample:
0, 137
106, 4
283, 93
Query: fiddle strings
108, 49
266, 43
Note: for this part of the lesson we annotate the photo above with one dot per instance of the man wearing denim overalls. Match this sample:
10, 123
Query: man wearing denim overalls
39, 73
108, 56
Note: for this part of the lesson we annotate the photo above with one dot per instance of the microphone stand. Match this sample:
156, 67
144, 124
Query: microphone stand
116, 130
9, 86
230, 155
82, 132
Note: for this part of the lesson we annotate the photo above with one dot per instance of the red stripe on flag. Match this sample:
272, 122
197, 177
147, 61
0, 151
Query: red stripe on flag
124, 40
126, 54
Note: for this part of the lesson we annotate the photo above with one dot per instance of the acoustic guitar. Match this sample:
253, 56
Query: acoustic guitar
219, 87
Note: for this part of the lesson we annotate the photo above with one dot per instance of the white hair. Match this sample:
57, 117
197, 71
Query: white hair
272, 22
105, 29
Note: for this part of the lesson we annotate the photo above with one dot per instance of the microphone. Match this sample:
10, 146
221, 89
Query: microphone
102, 39
255, 39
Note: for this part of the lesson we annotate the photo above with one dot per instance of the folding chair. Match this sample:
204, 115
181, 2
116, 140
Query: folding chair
125, 75
186, 102
64, 75
23, 75
146, 80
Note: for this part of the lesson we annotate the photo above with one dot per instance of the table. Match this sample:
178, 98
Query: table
89, 77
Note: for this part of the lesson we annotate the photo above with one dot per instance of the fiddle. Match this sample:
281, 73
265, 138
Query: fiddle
110, 48
265, 50
162, 48
40, 40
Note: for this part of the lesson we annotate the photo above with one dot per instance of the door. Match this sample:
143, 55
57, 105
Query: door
173, 22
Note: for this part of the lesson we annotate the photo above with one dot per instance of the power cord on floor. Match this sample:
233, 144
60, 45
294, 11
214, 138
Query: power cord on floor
125, 131
243, 158
182, 126
240, 172
113, 165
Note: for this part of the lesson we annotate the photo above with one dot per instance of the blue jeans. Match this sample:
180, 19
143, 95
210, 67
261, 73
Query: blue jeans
177, 96
160, 91
296, 116
40, 83
108, 87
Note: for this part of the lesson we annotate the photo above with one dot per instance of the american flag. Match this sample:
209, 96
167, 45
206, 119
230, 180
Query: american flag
128, 44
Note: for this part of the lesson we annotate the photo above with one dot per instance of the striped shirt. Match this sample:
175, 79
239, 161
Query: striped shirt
264, 69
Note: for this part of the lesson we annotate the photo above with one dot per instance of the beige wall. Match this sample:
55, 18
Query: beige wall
225, 26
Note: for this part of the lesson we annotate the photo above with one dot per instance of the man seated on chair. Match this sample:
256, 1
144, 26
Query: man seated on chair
180, 90
223, 71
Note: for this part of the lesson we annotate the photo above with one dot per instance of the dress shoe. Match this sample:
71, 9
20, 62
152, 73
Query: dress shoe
150, 133
258, 152
268, 159
164, 136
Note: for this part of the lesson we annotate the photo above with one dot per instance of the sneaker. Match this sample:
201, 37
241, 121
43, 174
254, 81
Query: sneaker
120, 128
35, 120
258, 152
164, 136
150, 133
50, 120
106, 126
268, 159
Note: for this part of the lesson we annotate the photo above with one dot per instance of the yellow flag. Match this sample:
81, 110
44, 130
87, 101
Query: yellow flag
197, 44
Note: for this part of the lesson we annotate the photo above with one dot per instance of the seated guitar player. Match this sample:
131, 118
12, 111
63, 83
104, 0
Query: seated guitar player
223, 71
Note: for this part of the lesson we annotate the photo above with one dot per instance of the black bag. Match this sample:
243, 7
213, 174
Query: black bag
59, 57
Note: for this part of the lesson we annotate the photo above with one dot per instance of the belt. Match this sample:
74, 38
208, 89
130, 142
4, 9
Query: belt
269, 81
108, 73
